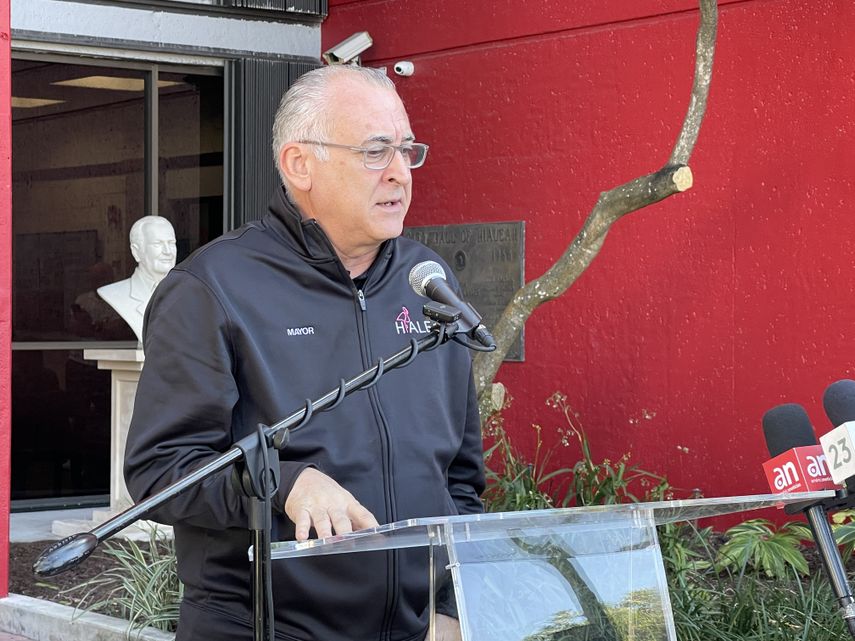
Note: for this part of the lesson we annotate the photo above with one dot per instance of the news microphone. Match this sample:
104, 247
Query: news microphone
788, 427
839, 401
839, 444
428, 279
798, 463
785, 427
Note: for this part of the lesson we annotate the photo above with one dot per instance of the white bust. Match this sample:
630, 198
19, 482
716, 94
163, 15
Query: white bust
153, 247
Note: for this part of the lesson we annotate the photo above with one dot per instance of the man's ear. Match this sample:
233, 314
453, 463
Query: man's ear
295, 163
135, 252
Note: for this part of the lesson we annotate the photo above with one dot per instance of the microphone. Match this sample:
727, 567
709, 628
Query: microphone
787, 427
798, 463
839, 401
428, 279
839, 444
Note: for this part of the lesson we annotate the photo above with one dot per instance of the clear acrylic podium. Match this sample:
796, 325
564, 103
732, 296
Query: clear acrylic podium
593, 574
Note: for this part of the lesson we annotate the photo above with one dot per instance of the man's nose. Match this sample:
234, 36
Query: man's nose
399, 169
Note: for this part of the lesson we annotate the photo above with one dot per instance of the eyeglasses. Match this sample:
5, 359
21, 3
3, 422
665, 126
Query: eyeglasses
379, 156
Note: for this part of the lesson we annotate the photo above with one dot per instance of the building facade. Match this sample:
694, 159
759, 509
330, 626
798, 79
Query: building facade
699, 313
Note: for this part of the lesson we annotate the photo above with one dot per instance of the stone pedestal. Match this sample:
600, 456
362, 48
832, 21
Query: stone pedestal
125, 365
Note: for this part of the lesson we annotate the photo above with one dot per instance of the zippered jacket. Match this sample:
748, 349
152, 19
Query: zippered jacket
243, 332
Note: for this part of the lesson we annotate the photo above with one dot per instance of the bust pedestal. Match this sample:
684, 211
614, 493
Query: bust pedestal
125, 365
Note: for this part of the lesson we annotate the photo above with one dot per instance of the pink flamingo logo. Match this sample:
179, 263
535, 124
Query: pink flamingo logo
404, 317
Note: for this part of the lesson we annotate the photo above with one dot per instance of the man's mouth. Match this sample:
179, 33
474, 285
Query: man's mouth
389, 203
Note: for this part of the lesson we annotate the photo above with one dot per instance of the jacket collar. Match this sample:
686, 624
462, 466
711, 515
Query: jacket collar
306, 233
311, 241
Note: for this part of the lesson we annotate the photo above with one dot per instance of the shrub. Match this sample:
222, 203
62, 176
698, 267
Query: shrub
143, 587
753, 583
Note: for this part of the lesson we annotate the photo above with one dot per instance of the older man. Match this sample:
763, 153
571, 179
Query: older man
326, 263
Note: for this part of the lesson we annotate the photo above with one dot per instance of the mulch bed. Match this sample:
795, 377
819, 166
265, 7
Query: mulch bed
22, 579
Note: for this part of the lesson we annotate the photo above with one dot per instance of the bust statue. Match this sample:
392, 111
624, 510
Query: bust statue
153, 247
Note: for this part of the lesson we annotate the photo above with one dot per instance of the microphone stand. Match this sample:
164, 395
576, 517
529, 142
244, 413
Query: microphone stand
817, 517
256, 473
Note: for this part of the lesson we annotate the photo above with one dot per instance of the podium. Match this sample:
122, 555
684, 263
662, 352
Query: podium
592, 573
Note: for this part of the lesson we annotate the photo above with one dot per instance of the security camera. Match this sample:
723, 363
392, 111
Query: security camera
347, 51
404, 68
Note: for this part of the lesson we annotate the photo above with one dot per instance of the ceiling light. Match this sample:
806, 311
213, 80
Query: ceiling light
30, 103
113, 83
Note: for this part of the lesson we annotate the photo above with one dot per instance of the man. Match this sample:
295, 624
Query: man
279, 311
153, 247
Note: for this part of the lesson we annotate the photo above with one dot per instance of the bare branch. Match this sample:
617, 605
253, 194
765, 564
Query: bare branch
674, 178
704, 53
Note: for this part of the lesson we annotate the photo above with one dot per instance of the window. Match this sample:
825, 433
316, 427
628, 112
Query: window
95, 146
302, 9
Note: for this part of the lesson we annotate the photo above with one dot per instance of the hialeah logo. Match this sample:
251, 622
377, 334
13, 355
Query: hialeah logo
405, 325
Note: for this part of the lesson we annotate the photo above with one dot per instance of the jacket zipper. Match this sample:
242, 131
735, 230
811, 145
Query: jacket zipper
385, 439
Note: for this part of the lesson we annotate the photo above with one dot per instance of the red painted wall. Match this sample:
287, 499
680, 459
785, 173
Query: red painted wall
702, 312
5, 289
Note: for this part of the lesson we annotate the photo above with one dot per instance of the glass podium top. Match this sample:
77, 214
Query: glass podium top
503, 525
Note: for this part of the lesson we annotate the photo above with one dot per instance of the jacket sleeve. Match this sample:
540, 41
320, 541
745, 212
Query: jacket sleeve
466, 473
183, 408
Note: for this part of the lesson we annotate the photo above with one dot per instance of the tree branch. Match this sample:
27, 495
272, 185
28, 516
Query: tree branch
673, 178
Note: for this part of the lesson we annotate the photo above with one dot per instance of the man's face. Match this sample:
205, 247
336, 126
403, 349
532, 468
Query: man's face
157, 254
359, 208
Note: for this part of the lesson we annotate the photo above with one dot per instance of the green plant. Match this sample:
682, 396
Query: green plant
143, 587
757, 544
843, 526
712, 603
516, 484
685, 548
715, 608
605, 482
750, 584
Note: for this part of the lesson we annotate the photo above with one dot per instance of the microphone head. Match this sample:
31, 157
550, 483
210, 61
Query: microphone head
423, 273
839, 402
785, 427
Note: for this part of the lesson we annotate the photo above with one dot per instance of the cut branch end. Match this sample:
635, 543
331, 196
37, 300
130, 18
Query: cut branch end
683, 179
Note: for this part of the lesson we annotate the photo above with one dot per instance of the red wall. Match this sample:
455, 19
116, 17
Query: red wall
701, 312
5, 289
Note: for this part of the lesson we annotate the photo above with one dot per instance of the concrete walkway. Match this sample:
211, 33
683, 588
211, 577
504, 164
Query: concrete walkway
36, 526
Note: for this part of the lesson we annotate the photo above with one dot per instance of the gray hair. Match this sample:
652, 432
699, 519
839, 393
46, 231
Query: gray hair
303, 111
136, 234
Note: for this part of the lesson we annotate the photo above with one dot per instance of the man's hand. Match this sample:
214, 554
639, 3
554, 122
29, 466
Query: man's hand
316, 501
447, 628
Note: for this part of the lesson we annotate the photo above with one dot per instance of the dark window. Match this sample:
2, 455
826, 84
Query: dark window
83, 140
290, 10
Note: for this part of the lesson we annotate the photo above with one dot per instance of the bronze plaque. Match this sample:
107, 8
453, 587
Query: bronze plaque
489, 261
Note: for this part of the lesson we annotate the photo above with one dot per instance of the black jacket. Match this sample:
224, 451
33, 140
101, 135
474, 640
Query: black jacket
241, 333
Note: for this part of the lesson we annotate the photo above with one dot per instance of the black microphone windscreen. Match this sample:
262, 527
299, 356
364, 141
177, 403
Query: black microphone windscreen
787, 426
839, 402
